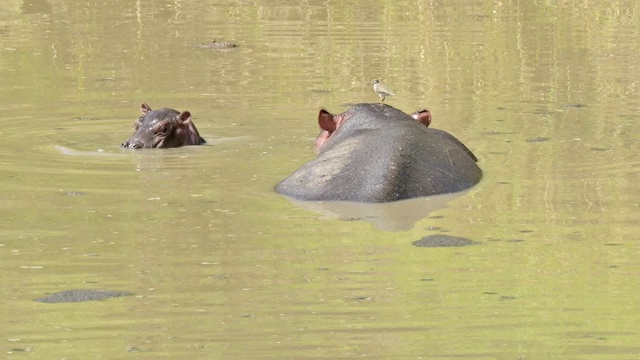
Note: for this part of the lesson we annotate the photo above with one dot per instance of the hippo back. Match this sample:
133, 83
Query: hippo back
384, 155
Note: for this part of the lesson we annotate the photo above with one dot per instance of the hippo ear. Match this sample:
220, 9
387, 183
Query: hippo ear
184, 117
327, 121
145, 108
423, 116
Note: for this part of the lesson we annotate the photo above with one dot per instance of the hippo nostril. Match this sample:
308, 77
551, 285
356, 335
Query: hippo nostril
131, 145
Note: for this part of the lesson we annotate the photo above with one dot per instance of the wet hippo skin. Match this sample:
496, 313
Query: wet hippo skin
376, 153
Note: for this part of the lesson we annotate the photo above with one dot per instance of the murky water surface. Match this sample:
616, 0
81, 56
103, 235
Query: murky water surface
545, 93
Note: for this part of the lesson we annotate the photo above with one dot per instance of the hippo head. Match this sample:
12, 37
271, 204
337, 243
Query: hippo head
329, 123
164, 128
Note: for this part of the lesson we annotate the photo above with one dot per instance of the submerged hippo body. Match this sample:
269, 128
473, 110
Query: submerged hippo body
80, 295
164, 128
376, 153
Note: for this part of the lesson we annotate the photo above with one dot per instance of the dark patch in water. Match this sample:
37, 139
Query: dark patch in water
217, 45
68, 296
442, 241
538, 139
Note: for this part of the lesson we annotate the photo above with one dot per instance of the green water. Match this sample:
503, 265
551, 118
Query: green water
544, 93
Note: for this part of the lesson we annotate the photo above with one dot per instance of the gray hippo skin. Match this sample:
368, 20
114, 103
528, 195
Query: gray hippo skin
164, 128
375, 153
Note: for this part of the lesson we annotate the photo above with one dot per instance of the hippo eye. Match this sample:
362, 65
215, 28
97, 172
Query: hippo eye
163, 129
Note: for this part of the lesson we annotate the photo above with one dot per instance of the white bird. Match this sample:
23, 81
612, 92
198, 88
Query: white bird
381, 89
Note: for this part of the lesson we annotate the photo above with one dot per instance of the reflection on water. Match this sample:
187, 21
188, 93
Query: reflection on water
395, 216
544, 93
68, 151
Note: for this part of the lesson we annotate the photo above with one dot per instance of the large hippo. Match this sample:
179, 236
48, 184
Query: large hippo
164, 128
375, 153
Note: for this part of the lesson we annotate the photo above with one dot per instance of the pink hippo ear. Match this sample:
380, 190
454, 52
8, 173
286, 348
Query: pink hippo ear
423, 116
327, 121
145, 109
184, 117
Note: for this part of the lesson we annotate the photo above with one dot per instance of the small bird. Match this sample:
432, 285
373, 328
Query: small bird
381, 89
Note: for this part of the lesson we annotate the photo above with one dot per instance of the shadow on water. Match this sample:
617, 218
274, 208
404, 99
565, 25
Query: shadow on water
394, 216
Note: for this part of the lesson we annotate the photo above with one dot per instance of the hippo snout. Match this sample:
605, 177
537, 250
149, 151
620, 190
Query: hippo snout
132, 145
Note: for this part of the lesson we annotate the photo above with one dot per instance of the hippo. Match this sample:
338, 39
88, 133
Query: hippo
164, 128
375, 153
